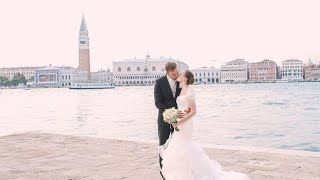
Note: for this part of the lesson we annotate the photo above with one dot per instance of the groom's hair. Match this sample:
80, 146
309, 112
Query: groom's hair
170, 66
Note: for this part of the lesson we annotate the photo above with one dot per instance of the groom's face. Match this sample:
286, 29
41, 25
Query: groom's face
174, 74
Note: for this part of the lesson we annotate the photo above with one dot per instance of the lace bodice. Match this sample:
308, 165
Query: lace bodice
183, 100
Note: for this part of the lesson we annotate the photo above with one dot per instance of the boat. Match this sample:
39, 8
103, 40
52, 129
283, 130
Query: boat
92, 86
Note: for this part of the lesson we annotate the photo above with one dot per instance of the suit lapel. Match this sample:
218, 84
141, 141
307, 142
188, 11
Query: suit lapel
177, 89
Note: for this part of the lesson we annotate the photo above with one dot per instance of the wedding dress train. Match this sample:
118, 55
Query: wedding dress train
183, 159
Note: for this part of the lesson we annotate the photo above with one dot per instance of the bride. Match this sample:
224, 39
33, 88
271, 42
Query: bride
183, 159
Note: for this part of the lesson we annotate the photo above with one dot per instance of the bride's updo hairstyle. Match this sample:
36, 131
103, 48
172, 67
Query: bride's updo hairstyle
190, 77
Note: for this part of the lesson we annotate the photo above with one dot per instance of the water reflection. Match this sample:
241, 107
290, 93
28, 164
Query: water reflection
265, 115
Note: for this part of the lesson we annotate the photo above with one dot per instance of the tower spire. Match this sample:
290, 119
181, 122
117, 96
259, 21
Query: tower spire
83, 26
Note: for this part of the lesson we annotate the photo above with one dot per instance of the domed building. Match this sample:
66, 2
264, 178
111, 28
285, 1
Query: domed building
142, 72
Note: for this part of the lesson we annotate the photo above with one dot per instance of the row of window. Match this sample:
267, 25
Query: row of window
47, 83
208, 74
104, 78
225, 70
266, 69
292, 70
263, 64
66, 77
134, 82
237, 64
235, 77
138, 77
15, 73
291, 67
213, 80
139, 69
264, 78
291, 74
259, 72
233, 74
313, 70
292, 64
262, 74
66, 84
209, 80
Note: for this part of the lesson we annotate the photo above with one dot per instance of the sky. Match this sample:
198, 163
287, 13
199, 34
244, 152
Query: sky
43, 32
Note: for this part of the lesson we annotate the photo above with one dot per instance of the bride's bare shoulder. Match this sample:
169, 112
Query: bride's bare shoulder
191, 92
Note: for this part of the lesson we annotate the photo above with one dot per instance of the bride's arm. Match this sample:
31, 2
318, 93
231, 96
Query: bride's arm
193, 111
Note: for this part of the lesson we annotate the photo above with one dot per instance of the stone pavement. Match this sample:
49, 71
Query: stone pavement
50, 156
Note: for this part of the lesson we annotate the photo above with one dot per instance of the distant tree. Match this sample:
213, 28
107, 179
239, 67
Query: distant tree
17, 79
23, 79
14, 81
3, 80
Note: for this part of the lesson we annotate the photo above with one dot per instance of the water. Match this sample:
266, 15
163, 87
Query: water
285, 116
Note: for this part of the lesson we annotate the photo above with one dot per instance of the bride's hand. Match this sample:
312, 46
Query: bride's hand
181, 114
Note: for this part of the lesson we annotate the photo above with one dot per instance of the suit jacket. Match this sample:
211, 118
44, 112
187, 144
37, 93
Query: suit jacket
163, 97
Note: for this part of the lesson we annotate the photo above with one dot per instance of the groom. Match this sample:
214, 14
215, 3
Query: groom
166, 91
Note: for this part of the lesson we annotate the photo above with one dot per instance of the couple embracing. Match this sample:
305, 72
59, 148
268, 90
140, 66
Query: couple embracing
180, 158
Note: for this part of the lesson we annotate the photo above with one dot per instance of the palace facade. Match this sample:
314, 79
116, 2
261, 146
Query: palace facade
142, 72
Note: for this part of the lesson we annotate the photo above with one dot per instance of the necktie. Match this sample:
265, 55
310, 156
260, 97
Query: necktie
173, 88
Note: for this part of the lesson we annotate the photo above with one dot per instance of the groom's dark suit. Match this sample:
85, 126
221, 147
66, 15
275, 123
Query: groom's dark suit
164, 99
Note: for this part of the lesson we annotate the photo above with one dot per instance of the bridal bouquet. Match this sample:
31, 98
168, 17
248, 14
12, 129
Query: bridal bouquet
170, 116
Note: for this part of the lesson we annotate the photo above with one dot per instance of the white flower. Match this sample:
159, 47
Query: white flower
170, 115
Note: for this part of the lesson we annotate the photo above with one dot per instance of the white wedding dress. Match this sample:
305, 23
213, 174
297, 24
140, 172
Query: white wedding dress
183, 159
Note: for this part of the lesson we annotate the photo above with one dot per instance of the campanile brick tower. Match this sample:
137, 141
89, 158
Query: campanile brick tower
84, 52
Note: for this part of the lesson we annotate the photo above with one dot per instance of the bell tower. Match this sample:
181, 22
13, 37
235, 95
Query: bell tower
84, 50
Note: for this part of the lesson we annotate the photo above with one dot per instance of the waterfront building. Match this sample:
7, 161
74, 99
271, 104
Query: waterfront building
53, 77
28, 72
312, 71
206, 75
71, 76
142, 72
292, 70
102, 76
47, 77
84, 50
235, 71
265, 70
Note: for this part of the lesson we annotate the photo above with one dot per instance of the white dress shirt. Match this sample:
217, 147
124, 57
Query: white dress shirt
173, 85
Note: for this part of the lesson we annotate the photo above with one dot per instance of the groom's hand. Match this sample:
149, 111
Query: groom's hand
187, 111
